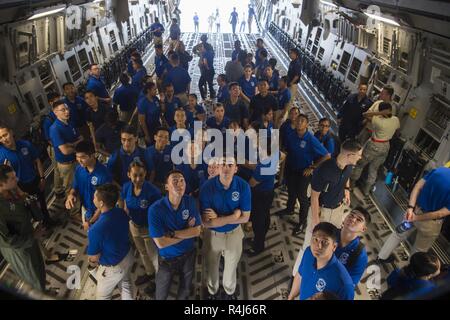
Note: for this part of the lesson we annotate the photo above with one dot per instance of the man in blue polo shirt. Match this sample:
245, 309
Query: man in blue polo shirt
139, 73
174, 222
194, 174
89, 174
294, 72
351, 252
304, 154
429, 204
77, 107
159, 157
171, 104
120, 160
64, 139
225, 203
248, 84
320, 270
160, 63
284, 101
180, 79
325, 136
149, 112
222, 93
109, 245
207, 71
259, 47
96, 84
23, 157
235, 107
157, 29
125, 97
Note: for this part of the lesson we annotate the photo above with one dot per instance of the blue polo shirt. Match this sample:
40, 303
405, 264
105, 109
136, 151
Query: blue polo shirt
60, 134
47, 123
179, 78
224, 202
152, 112
130, 69
262, 65
155, 26
98, 86
359, 266
126, 97
248, 87
138, 205
285, 131
295, 69
160, 63
333, 278
223, 94
236, 112
435, 194
77, 110
209, 56
235, 54
266, 181
22, 160
327, 141
283, 97
109, 237
162, 218
273, 82
174, 128
413, 288
257, 58
171, 107
161, 162
222, 126
85, 182
303, 150
194, 177
136, 80
125, 160
191, 117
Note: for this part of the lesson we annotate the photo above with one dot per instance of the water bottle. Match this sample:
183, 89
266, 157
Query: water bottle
389, 178
403, 227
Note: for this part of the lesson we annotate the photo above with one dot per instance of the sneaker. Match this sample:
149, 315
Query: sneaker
230, 296
142, 279
150, 289
298, 229
212, 296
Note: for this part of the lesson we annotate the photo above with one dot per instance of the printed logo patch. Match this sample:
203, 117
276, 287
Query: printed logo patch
344, 258
166, 157
235, 196
302, 144
320, 285
24, 151
143, 204
185, 214
94, 180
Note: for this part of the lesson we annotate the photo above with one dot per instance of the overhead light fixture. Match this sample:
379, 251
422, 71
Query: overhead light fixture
382, 19
47, 12
328, 3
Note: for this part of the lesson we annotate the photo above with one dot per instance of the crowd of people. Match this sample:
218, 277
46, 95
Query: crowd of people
114, 166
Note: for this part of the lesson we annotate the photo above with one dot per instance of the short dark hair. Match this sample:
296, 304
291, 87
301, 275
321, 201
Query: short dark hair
285, 79
124, 78
174, 20
158, 46
86, 147
302, 115
136, 54
3, 125
171, 172
108, 193
139, 62
129, 130
422, 264
248, 66
174, 57
162, 129
92, 65
223, 77
273, 62
52, 96
193, 95
216, 105
168, 85
58, 103
267, 109
67, 84
294, 50
389, 90
263, 79
351, 145
324, 295
384, 106
364, 212
324, 119
90, 91
232, 84
260, 40
136, 163
149, 86
4, 170
329, 229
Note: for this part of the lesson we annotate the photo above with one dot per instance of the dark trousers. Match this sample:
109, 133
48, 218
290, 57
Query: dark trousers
32, 188
260, 217
184, 266
206, 78
297, 186
348, 132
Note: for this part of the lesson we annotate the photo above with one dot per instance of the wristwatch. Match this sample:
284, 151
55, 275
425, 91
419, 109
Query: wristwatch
410, 206
171, 234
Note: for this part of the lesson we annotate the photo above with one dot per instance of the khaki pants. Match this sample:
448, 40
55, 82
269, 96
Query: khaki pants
57, 182
146, 247
157, 40
125, 116
183, 98
334, 216
110, 277
230, 244
294, 92
427, 232
66, 172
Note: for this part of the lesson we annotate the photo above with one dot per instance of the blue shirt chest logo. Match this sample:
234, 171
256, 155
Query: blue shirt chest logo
303, 144
143, 204
235, 196
185, 214
321, 284
24, 151
94, 180
166, 157
344, 258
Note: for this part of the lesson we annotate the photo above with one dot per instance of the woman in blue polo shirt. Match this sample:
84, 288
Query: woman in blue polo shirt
149, 110
195, 174
248, 84
194, 111
136, 196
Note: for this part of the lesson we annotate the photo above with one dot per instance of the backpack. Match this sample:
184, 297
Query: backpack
37, 136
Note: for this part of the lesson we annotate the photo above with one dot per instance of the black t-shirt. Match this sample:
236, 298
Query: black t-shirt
258, 103
96, 117
330, 180
236, 112
295, 69
109, 137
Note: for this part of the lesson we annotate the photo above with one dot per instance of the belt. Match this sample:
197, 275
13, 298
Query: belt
382, 141
68, 162
332, 208
226, 232
179, 258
